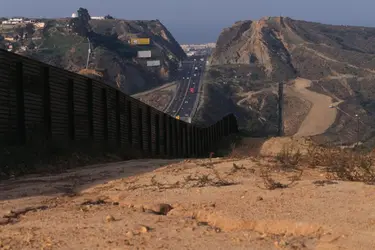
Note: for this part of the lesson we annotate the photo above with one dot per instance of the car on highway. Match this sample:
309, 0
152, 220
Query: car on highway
195, 74
186, 101
187, 77
202, 59
183, 77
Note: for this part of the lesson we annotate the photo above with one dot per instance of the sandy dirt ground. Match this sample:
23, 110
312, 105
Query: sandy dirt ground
320, 116
191, 204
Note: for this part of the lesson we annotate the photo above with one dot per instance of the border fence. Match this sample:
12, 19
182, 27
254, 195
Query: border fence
50, 103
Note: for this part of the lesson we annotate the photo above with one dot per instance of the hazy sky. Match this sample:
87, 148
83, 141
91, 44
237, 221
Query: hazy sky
198, 21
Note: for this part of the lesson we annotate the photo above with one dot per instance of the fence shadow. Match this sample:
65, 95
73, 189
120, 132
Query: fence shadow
72, 181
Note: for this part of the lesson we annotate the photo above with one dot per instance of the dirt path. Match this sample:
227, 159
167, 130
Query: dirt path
218, 204
320, 116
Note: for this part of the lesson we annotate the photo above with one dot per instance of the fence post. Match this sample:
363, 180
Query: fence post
184, 140
105, 114
149, 129
222, 122
196, 142
192, 140
214, 134
209, 132
208, 138
179, 138
140, 128
166, 129
118, 118
157, 134
90, 108
218, 130
189, 137
204, 140
46, 102
130, 122
21, 127
71, 109
229, 125
173, 137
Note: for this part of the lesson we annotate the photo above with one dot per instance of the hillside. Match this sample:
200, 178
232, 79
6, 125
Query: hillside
320, 65
112, 59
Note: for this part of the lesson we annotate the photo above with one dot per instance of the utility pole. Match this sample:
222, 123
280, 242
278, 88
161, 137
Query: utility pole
280, 127
88, 54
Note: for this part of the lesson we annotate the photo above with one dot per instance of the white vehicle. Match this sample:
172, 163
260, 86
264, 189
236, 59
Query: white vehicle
183, 77
193, 82
195, 59
186, 101
202, 59
187, 77
195, 74
196, 68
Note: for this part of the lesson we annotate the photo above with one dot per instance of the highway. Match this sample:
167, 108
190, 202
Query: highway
187, 91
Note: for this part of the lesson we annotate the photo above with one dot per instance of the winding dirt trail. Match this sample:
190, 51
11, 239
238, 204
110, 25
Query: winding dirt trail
320, 116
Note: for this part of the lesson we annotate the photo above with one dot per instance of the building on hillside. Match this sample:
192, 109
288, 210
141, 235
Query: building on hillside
98, 17
191, 53
40, 25
10, 39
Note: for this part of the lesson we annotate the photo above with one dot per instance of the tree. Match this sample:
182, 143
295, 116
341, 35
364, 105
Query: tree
108, 17
81, 24
83, 15
29, 28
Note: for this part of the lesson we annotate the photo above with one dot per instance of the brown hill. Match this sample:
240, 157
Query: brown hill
320, 65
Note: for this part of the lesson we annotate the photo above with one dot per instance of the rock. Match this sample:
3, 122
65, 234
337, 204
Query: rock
142, 229
160, 209
259, 198
129, 234
109, 218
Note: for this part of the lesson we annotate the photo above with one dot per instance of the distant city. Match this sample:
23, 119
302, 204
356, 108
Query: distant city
198, 49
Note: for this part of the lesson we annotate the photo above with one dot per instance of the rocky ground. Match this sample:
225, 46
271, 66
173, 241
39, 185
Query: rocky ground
219, 203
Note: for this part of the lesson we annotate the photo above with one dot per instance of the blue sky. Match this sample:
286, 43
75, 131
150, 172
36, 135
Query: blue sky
195, 21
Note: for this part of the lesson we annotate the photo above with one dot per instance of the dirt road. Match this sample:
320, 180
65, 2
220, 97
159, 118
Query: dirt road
320, 116
215, 205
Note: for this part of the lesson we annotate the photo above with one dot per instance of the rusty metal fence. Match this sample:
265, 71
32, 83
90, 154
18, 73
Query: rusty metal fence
51, 103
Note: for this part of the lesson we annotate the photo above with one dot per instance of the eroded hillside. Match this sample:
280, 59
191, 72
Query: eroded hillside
320, 65
112, 59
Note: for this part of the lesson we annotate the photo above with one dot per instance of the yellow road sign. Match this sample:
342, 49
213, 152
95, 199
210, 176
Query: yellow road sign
178, 117
140, 41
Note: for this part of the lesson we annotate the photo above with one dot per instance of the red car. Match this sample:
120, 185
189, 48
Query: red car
192, 90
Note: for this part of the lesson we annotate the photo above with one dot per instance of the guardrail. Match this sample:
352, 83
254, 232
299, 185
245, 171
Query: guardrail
54, 104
